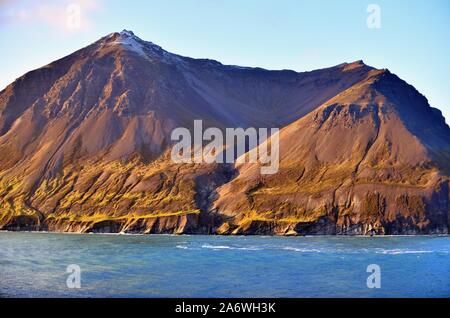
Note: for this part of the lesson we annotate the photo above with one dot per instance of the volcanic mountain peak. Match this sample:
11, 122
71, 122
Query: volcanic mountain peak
126, 32
127, 41
126, 37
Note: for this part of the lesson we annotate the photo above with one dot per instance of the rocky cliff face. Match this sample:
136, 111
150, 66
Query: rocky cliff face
85, 143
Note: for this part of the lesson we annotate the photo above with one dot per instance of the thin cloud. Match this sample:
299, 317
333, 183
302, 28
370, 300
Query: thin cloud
62, 16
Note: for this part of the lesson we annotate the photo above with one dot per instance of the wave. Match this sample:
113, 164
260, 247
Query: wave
259, 248
226, 247
216, 246
400, 251
307, 249
302, 250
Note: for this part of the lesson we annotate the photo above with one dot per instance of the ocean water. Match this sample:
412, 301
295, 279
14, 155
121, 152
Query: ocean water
35, 264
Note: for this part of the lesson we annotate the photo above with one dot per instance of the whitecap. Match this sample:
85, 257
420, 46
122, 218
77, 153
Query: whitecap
302, 250
225, 247
249, 248
400, 251
216, 246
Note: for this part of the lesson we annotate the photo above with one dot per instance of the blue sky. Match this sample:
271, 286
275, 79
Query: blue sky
413, 40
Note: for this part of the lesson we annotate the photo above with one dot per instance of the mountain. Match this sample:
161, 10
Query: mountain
372, 160
85, 144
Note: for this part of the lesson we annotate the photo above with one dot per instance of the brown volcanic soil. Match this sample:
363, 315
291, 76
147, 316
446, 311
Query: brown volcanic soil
85, 143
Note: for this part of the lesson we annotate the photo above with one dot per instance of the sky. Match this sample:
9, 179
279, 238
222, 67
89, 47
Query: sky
410, 38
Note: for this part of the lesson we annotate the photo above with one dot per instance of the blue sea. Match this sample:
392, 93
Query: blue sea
35, 265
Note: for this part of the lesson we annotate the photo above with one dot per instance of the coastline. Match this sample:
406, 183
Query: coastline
226, 235
196, 223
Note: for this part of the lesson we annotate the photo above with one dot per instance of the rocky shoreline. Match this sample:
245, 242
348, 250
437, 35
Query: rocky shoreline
192, 224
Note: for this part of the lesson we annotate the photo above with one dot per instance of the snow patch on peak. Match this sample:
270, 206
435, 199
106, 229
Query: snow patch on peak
148, 50
127, 33
128, 41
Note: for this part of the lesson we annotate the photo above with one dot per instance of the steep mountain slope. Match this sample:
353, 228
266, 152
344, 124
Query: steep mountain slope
85, 143
372, 160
